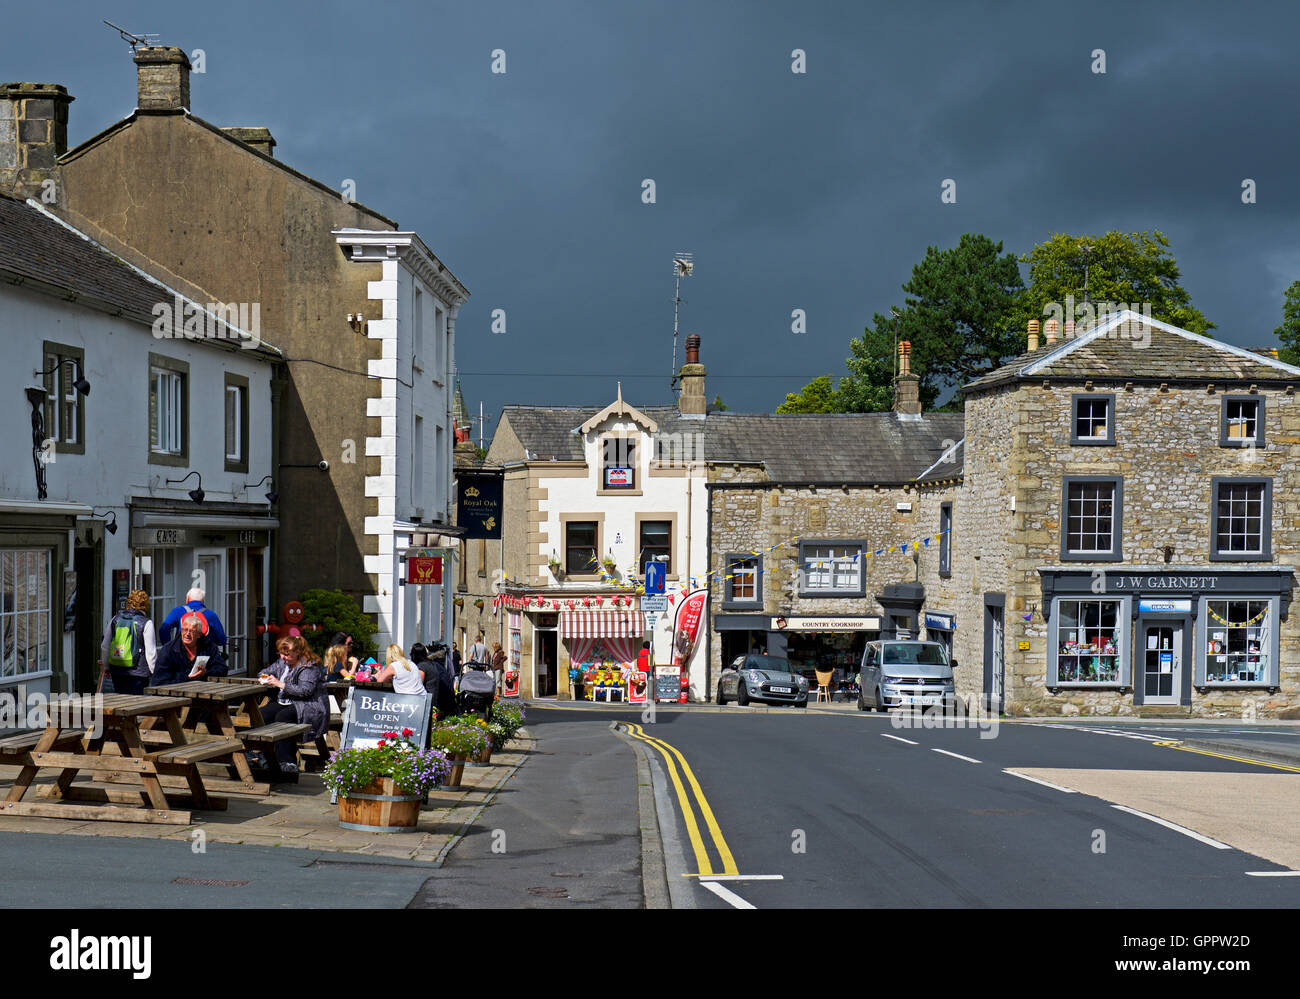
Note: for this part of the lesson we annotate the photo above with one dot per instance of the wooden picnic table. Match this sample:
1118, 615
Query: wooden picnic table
68, 747
216, 700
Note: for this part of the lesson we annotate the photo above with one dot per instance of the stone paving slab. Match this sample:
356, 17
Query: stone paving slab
298, 815
1256, 813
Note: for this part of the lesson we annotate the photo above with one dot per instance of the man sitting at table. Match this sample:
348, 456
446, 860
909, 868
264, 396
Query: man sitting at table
183, 658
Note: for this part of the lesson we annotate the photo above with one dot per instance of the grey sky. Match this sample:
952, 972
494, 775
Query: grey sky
815, 191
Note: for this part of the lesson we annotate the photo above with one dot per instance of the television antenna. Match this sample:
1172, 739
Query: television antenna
148, 39
683, 266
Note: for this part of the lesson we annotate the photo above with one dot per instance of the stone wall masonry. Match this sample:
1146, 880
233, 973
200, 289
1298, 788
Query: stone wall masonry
1166, 450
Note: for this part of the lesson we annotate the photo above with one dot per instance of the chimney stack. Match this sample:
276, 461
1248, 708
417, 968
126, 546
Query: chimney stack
907, 390
259, 138
162, 79
692, 403
1033, 334
33, 135
1050, 329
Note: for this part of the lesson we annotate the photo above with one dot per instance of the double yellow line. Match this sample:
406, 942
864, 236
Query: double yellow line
1224, 756
672, 756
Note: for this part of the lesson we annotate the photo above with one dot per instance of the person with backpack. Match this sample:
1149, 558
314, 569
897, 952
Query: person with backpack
193, 602
130, 647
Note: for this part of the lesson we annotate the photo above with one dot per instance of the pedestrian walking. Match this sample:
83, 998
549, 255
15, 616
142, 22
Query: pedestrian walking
478, 652
455, 659
129, 652
193, 602
498, 662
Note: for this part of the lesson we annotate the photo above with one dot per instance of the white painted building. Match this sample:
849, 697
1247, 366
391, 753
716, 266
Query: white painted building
86, 508
416, 302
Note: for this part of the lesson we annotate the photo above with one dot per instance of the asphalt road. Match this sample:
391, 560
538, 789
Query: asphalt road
852, 811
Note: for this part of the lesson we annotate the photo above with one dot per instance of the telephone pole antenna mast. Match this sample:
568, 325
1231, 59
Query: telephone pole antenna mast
683, 265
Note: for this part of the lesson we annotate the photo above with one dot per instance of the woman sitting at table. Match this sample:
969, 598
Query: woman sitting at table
190, 655
302, 698
339, 665
406, 676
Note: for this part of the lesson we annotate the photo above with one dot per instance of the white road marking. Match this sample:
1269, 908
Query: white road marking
737, 877
727, 895
958, 755
1097, 731
1273, 874
1045, 783
1175, 827
898, 738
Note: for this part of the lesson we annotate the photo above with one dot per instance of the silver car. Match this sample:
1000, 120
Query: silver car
906, 674
762, 678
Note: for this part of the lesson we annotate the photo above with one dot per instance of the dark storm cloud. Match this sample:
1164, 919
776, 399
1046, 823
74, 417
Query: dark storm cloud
816, 191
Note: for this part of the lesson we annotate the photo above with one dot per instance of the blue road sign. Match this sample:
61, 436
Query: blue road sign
656, 577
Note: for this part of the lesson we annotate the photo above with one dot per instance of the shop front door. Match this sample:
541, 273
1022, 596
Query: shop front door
1161, 651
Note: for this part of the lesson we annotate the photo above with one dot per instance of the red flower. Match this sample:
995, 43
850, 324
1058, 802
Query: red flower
382, 742
407, 733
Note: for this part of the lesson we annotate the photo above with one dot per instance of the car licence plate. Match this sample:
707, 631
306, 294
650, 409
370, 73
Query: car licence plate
782, 690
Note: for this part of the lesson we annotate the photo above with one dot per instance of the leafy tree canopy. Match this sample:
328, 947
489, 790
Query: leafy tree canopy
818, 396
1289, 331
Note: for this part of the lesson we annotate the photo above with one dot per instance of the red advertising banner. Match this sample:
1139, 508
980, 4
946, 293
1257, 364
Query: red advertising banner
424, 569
636, 693
686, 628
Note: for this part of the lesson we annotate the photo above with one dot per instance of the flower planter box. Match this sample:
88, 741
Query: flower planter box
379, 807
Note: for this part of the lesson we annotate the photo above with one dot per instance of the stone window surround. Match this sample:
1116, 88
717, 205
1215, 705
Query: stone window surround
626, 435
182, 459
859, 591
565, 520
1109, 439
673, 540
61, 352
1115, 553
731, 602
1266, 526
1259, 440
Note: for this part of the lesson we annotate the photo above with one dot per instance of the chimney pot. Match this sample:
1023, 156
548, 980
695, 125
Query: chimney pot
693, 349
162, 78
1033, 334
907, 388
1050, 329
1069, 328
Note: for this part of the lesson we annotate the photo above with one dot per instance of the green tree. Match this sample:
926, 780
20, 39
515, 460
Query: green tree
1127, 270
718, 406
818, 396
1289, 331
335, 611
960, 316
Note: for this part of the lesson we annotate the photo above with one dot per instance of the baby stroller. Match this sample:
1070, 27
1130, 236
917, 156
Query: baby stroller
478, 688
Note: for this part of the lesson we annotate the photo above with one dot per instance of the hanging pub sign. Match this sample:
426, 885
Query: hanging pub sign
424, 569
478, 504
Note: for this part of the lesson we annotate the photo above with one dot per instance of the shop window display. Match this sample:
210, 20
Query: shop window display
1237, 641
1088, 637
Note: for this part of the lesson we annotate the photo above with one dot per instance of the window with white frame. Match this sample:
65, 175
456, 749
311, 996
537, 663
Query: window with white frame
236, 616
742, 579
26, 619
236, 423
166, 411
65, 417
1242, 422
1241, 518
156, 575
831, 568
1094, 419
1089, 637
1092, 515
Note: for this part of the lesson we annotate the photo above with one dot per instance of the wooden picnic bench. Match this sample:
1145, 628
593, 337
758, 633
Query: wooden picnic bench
114, 720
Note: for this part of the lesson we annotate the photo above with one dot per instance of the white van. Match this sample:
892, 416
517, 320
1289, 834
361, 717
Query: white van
906, 674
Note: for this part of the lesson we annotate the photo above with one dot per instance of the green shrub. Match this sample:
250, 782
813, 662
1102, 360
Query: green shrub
335, 611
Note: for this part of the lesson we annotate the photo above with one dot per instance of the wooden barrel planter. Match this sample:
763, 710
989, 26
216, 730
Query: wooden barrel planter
457, 771
379, 807
484, 758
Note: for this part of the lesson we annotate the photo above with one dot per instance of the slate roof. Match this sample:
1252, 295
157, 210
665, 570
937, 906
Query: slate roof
1115, 350
823, 448
37, 247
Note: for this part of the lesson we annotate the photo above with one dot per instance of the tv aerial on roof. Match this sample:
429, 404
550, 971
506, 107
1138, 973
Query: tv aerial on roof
135, 40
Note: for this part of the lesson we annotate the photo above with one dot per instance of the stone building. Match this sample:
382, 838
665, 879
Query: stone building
1133, 496
365, 315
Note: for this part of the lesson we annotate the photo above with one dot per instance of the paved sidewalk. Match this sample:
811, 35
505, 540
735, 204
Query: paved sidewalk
301, 816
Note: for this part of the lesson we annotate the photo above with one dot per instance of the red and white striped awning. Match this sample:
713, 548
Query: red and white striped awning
602, 623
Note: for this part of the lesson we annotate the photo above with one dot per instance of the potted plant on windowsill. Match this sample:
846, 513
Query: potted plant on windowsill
379, 787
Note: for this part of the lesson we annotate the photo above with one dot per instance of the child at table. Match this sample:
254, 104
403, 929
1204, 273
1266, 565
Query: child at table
338, 664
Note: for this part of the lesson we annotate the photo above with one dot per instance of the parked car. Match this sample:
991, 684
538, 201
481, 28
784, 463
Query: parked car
762, 678
906, 674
